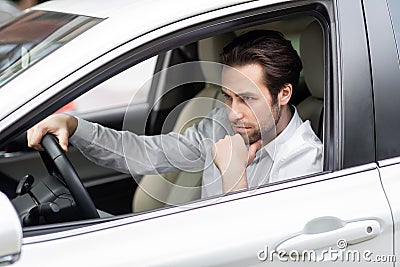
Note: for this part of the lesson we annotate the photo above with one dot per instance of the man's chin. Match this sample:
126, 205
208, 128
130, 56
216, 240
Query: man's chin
252, 141
248, 139
254, 136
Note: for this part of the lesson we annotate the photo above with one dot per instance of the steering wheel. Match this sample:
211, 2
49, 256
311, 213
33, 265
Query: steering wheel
60, 160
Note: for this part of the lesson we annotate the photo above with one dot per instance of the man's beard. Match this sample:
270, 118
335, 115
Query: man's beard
265, 132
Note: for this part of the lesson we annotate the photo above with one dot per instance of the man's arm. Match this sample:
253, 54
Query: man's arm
122, 150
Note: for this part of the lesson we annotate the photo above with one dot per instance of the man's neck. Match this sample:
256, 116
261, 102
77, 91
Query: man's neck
284, 120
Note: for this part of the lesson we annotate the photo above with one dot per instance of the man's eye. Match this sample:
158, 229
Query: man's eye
226, 96
247, 98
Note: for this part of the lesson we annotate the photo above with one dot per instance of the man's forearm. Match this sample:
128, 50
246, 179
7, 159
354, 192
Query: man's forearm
129, 153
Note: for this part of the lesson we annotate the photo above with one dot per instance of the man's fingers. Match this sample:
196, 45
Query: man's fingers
34, 137
253, 148
62, 137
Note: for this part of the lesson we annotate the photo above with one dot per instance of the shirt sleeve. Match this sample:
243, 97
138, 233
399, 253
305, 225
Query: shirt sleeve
127, 152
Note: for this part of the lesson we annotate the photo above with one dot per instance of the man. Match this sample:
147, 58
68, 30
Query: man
258, 138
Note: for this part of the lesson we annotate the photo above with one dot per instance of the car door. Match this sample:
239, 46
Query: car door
333, 212
384, 50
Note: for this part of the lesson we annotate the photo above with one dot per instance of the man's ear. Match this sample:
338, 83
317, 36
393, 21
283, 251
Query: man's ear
285, 94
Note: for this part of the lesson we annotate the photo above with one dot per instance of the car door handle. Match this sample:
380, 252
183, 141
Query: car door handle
330, 231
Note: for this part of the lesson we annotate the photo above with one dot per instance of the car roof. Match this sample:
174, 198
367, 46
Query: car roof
121, 8
134, 10
127, 19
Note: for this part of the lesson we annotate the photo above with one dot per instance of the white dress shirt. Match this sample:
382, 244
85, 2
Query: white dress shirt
295, 152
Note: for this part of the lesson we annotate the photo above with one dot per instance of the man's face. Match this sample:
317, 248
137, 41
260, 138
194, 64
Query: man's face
249, 104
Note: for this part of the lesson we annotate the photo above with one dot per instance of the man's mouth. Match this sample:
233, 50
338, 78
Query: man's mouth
240, 128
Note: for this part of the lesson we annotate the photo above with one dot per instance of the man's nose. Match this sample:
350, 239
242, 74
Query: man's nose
236, 111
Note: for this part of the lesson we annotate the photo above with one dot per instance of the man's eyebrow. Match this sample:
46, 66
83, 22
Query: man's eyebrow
241, 94
247, 94
223, 91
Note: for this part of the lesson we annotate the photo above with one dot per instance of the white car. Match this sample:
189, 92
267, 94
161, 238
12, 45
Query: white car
125, 64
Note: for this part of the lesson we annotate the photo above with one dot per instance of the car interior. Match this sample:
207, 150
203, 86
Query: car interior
116, 193
153, 193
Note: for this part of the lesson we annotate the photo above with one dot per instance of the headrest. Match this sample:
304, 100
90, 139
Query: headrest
312, 55
210, 50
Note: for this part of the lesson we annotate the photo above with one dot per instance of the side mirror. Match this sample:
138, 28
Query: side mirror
10, 232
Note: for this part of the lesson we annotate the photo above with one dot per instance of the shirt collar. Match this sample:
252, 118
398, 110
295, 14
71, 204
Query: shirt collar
285, 135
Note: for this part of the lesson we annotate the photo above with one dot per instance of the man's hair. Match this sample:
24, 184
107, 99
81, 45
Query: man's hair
280, 62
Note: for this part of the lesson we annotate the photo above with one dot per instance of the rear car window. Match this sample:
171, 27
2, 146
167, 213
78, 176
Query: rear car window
33, 36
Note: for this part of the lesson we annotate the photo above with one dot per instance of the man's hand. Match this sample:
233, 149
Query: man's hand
232, 157
60, 125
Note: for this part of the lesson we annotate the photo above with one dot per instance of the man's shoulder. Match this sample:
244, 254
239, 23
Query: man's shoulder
303, 150
304, 136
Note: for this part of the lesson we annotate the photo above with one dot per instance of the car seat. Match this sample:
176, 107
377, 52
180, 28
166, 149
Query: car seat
312, 55
156, 191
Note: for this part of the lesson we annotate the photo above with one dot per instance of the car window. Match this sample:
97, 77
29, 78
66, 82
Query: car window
35, 35
174, 108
